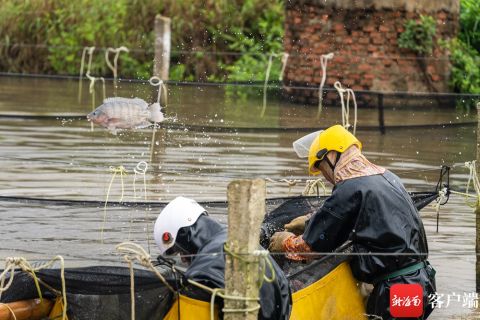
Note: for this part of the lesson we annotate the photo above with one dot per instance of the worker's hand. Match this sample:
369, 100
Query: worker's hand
297, 225
276, 241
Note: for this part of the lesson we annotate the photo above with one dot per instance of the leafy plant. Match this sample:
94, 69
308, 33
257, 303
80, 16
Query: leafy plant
470, 23
56, 32
59, 29
418, 35
465, 68
254, 40
465, 54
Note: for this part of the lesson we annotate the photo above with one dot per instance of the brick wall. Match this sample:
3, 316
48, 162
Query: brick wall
364, 38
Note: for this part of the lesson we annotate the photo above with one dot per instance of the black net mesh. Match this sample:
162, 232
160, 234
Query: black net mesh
100, 292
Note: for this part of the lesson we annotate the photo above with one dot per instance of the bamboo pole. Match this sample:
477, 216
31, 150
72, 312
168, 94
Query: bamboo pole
246, 209
477, 209
162, 47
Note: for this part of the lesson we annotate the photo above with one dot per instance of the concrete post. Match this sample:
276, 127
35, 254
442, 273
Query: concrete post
162, 47
246, 209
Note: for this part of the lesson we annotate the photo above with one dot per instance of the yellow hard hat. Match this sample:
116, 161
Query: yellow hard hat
335, 138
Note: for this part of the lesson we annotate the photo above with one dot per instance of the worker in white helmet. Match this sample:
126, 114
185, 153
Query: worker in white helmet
184, 227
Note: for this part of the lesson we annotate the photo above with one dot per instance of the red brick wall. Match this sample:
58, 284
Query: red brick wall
365, 44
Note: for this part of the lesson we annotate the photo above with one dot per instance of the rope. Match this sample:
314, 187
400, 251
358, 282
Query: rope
346, 108
114, 67
214, 293
442, 198
323, 61
92, 87
466, 195
157, 82
264, 256
291, 183
311, 185
91, 90
473, 179
267, 76
265, 261
92, 79
114, 170
221, 293
141, 168
284, 65
131, 252
12, 262
82, 62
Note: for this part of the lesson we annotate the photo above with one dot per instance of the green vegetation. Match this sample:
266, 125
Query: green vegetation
470, 23
465, 67
200, 29
465, 50
418, 35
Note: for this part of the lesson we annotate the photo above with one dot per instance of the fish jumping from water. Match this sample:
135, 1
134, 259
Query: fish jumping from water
126, 113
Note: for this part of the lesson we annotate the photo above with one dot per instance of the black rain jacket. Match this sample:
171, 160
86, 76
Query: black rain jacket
208, 236
377, 215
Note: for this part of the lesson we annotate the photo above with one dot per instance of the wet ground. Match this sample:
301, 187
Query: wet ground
58, 158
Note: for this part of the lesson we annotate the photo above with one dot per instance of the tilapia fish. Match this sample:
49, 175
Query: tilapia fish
125, 113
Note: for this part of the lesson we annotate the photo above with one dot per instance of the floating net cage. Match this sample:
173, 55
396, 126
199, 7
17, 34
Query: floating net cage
104, 292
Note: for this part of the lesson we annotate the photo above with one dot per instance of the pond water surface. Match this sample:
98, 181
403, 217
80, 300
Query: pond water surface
61, 158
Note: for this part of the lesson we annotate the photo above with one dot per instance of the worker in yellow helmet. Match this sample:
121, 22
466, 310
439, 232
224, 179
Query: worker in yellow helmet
370, 207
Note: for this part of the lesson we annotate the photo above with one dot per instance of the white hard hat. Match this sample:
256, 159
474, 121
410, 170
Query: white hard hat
180, 212
302, 145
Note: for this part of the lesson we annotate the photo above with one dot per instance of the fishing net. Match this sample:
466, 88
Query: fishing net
103, 292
